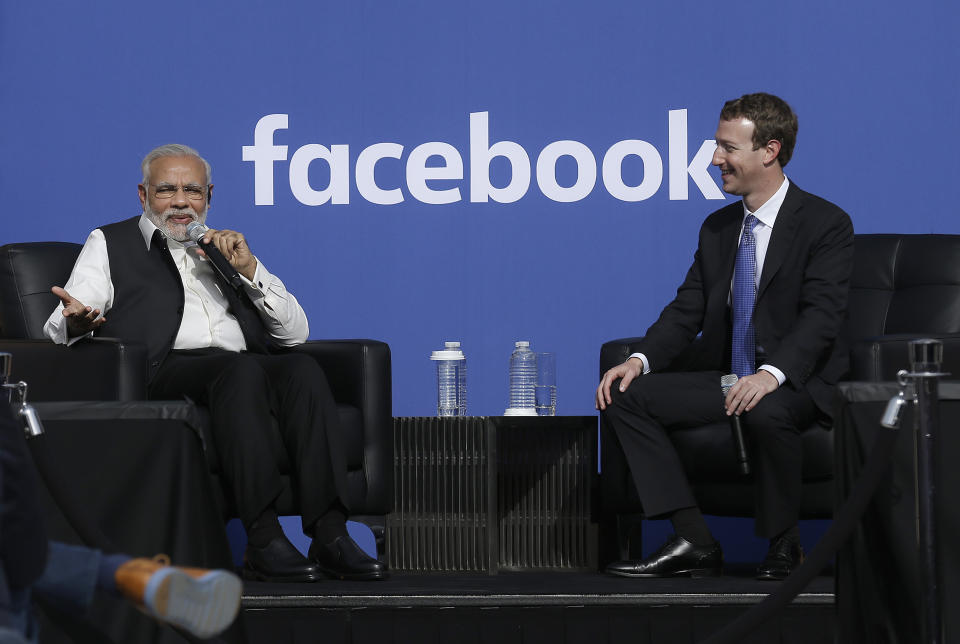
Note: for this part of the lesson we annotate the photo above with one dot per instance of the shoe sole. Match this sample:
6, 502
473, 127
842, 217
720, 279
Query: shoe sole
773, 576
692, 572
204, 606
366, 576
255, 575
778, 576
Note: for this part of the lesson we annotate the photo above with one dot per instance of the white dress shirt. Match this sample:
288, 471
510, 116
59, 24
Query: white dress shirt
767, 217
206, 321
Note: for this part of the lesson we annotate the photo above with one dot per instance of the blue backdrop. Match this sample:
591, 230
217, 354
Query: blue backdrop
416, 245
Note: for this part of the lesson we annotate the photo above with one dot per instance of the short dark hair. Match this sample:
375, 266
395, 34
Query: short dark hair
772, 118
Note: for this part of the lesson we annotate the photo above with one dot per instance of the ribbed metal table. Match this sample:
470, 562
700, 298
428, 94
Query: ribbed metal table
489, 494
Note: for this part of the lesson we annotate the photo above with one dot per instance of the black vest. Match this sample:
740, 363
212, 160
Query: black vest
148, 296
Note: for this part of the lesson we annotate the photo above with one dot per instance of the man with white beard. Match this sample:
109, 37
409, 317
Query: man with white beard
143, 280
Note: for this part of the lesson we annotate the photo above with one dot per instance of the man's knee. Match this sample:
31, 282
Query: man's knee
770, 416
243, 373
301, 365
634, 398
301, 373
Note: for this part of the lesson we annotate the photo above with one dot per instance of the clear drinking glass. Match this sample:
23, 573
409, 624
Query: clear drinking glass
546, 387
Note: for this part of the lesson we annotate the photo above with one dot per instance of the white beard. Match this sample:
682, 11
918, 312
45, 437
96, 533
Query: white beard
174, 231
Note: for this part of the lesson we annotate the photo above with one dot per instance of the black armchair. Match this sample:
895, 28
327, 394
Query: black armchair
903, 287
109, 369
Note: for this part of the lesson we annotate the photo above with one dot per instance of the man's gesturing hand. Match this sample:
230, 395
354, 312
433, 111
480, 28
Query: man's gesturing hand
233, 246
748, 391
80, 319
629, 370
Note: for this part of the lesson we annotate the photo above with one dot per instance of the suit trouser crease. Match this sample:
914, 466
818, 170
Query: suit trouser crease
660, 404
244, 393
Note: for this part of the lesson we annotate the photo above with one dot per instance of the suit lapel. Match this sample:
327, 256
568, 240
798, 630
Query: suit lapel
784, 232
726, 240
729, 237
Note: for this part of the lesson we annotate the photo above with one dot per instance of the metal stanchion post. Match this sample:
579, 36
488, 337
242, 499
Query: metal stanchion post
6, 362
926, 356
25, 411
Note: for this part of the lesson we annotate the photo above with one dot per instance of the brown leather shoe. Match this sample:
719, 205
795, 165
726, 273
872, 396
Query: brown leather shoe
201, 601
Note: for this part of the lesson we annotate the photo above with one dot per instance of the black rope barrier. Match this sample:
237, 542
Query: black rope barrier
839, 531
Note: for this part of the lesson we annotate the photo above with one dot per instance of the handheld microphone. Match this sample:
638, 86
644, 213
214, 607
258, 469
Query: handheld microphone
726, 382
196, 231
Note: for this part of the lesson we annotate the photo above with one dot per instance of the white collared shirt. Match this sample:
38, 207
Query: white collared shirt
767, 216
206, 321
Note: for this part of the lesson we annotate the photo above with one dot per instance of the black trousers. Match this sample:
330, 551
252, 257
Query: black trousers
658, 403
251, 396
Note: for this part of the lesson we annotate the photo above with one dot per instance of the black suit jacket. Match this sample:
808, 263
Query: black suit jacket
801, 297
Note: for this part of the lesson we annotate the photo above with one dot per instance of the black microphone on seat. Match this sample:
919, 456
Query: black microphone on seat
726, 382
196, 231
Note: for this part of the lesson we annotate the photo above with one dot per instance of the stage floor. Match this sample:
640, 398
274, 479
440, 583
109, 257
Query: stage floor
736, 586
528, 607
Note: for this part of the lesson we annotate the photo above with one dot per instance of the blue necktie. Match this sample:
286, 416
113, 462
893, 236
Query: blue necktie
744, 351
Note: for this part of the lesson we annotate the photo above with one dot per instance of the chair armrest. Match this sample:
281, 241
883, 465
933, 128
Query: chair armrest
617, 351
617, 490
359, 373
879, 358
92, 369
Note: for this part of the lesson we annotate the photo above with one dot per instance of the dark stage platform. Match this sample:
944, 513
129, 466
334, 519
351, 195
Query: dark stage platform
529, 607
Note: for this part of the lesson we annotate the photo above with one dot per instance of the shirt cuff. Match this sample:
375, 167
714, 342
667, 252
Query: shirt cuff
56, 329
643, 359
261, 277
779, 375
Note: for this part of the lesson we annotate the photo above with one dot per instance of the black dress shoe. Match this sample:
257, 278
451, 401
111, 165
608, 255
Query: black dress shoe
278, 561
782, 558
342, 558
676, 558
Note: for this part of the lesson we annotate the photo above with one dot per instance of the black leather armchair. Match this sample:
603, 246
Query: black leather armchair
903, 287
109, 369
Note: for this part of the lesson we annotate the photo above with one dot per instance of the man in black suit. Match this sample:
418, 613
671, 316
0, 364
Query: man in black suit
767, 291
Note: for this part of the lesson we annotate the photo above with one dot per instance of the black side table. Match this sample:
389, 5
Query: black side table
485, 494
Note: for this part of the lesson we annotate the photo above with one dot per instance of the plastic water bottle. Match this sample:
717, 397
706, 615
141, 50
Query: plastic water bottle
523, 381
451, 380
461, 379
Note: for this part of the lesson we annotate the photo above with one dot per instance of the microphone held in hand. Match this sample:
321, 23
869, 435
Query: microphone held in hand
726, 382
196, 231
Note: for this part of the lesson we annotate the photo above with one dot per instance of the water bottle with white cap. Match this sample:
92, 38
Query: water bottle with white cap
451, 380
523, 381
